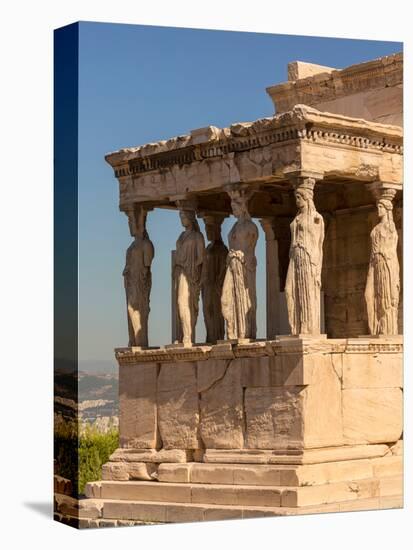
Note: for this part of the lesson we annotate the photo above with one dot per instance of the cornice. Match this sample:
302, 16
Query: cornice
302, 123
259, 348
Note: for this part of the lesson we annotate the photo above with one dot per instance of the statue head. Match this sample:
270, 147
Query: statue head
211, 232
188, 219
384, 209
384, 196
137, 221
239, 206
213, 227
304, 195
240, 195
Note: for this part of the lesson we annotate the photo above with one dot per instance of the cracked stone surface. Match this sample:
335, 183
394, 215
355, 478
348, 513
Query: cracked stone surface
221, 409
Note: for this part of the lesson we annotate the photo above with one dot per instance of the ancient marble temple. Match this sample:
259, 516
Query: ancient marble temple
309, 418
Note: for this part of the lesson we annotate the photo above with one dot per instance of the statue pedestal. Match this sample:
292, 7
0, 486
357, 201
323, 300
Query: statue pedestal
288, 426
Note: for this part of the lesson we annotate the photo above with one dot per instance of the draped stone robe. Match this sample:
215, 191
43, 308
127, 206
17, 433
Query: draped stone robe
190, 248
138, 283
239, 299
383, 280
213, 273
303, 282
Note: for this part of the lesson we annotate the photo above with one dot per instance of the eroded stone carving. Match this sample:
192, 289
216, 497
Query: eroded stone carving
138, 278
239, 301
213, 273
303, 283
383, 278
190, 250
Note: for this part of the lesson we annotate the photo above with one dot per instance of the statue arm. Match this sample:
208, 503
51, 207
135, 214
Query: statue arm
222, 269
315, 255
125, 271
248, 237
200, 250
148, 253
320, 247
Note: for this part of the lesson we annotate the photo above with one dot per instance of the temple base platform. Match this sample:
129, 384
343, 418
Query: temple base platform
262, 428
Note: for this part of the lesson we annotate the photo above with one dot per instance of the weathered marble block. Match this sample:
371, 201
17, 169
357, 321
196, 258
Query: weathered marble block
222, 407
372, 415
274, 418
178, 407
373, 370
137, 403
300, 408
287, 395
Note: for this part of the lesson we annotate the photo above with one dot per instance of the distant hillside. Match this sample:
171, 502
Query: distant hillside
96, 393
98, 366
98, 386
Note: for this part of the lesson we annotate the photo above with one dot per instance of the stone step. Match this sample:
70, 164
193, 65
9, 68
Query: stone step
307, 456
175, 512
190, 493
283, 475
242, 495
255, 474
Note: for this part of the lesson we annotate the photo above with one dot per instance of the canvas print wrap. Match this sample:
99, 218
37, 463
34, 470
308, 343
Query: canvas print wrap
229, 300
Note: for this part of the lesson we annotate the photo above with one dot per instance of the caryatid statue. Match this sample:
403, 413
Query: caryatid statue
189, 257
138, 278
239, 299
213, 273
383, 278
303, 282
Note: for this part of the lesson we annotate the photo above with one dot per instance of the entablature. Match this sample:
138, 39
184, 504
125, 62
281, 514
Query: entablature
260, 153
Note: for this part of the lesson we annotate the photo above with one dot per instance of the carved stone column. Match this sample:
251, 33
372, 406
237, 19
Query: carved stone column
382, 292
239, 298
189, 257
137, 276
175, 324
272, 277
398, 220
213, 273
303, 283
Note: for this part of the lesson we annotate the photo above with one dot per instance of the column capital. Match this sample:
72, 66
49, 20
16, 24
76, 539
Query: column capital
210, 216
384, 190
239, 189
186, 203
136, 213
300, 178
133, 207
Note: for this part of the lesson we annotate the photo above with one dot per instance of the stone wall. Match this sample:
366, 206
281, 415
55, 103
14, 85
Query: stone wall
372, 90
346, 261
289, 396
345, 267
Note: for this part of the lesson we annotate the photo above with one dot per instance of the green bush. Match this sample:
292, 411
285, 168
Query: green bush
66, 449
94, 450
80, 455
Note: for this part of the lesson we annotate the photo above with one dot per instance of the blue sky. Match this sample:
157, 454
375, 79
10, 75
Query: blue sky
139, 84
